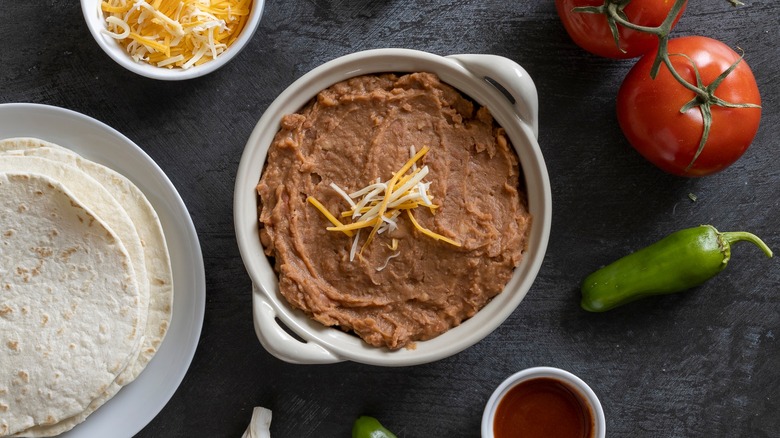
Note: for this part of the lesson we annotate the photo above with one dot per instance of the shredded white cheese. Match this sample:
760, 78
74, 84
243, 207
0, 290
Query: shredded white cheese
392, 256
343, 194
119, 24
353, 250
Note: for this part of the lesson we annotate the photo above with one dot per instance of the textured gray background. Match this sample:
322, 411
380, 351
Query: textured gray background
703, 363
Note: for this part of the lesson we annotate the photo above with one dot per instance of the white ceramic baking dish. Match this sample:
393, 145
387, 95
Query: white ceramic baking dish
514, 106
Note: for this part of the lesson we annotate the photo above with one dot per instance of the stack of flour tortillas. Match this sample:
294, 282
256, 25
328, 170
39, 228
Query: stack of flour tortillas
86, 290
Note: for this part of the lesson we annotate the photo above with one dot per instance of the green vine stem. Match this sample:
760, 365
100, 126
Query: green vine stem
704, 94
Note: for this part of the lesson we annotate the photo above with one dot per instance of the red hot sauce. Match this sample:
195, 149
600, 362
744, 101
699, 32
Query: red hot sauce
546, 408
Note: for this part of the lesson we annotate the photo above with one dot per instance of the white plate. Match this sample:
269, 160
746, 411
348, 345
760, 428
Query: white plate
139, 402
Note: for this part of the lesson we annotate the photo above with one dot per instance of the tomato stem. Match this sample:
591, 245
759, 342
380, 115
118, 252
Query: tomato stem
698, 89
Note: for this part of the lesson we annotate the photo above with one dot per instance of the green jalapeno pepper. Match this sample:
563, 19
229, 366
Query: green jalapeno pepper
680, 261
369, 427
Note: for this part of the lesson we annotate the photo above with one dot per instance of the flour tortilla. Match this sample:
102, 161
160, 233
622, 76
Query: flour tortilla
10, 144
69, 308
148, 227
99, 201
155, 250
157, 261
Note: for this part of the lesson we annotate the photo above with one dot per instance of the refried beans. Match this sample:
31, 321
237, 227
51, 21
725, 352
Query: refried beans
362, 129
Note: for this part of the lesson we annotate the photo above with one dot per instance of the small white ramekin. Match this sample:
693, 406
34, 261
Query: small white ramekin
600, 424
95, 20
515, 108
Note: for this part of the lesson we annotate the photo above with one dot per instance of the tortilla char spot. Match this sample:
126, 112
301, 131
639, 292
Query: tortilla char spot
67, 253
163, 328
13, 345
43, 252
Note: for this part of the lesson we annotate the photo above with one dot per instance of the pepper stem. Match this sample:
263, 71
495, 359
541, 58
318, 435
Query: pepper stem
735, 236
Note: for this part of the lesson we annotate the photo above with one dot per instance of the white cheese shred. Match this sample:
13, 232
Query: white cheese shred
392, 256
117, 23
343, 194
353, 250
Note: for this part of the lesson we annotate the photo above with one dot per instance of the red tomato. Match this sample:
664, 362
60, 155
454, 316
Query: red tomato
592, 33
649, 110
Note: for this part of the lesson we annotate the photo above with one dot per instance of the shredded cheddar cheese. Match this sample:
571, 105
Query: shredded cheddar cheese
313, 201
381, 203
175, 33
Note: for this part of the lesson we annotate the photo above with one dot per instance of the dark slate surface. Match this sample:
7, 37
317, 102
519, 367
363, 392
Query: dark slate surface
703, 363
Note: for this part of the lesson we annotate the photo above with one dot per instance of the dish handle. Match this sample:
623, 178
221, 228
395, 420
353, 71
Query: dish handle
277, 341
510, 79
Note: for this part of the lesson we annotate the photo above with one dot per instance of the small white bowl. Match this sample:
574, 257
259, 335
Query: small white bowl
96, 24
472, 75
572, 381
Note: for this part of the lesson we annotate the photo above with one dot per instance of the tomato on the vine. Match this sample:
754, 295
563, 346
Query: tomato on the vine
591, 31
649, 110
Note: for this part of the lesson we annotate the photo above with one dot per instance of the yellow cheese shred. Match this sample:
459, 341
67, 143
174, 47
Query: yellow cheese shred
403, 192
175, 33
317, 204
428, 232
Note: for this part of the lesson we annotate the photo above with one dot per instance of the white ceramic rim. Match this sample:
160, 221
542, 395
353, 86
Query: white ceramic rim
334, 344
510, 382
96, 24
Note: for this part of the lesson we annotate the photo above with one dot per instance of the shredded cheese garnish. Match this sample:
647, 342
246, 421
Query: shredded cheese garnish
175, 33
313, 201
381, 204
394, 245
392, 256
